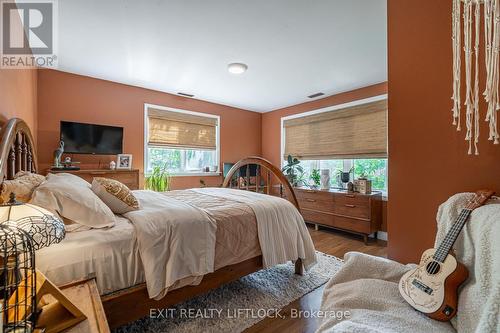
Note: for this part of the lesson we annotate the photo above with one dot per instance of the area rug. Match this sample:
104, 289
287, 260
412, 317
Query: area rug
239, 304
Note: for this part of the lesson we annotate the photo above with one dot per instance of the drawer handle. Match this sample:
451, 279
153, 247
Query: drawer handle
350, 195
97, 173
350, 206
311, 200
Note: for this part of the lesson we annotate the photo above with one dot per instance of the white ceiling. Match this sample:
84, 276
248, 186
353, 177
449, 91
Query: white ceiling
293, 48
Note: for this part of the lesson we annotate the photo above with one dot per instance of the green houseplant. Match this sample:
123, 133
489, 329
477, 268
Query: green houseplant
158, 180
316, 177
293, 170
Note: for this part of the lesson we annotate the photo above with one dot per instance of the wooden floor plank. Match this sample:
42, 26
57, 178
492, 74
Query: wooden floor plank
331, 242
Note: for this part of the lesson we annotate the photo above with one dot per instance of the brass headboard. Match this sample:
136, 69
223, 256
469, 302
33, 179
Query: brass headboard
17, 149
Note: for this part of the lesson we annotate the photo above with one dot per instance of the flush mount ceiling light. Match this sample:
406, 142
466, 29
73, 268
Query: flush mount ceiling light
237, 68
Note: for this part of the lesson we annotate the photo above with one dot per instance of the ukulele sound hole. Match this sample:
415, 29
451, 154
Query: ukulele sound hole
433, 267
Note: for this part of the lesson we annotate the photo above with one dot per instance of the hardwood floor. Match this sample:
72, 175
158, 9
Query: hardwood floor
335, 243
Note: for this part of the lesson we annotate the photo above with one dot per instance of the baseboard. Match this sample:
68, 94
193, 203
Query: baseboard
382, 235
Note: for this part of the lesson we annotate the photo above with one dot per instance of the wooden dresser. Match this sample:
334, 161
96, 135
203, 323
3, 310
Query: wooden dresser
353, 212
127, 177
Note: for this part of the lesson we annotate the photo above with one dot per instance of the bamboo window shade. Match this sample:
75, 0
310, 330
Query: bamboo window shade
175, 129
354, 132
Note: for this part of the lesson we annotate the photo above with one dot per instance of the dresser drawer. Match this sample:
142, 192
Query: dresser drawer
128, 177
336, 221
315, 200
352, 205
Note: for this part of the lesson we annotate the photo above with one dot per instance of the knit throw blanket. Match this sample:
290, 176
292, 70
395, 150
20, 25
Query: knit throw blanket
367, 286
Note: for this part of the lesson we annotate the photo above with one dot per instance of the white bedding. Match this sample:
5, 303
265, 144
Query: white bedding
283, 235
179, 236
111, 254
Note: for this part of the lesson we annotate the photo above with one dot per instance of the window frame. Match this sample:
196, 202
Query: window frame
180, 174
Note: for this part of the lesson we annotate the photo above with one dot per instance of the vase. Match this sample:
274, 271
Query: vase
325, 179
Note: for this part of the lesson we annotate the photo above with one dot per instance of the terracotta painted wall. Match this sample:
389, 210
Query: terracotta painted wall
428, 159
18, 96
64, 96
271, 121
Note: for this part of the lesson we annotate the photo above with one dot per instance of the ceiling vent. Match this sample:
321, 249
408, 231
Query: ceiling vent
184, 94
316, 95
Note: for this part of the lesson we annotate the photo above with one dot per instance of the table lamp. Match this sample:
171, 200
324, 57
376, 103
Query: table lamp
25, 228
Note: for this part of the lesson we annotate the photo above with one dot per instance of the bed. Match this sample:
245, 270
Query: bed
247, 231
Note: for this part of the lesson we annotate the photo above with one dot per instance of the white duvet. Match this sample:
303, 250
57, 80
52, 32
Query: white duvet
177, 241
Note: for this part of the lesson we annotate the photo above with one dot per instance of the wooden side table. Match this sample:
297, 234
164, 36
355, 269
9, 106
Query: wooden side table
85, 296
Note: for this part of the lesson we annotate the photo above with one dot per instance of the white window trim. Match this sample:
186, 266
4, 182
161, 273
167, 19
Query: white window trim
322, 110
147, 106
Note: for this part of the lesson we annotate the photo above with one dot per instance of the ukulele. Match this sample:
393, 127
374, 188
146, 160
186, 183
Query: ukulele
432, 287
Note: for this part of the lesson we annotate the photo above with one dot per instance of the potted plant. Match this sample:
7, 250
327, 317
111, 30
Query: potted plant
158, 180
316, 178
293, 170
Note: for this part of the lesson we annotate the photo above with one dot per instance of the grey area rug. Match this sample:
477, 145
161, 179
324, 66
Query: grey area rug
238, 304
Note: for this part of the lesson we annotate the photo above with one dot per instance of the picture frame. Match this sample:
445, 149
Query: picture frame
124, 161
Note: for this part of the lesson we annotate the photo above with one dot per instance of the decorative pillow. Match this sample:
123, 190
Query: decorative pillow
116, 195
71, 197
23, 185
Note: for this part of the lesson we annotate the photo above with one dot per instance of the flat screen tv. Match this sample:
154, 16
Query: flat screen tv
82, 138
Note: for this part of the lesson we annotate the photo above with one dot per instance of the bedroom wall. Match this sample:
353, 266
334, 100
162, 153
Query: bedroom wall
18, 96
428, 159
65, 96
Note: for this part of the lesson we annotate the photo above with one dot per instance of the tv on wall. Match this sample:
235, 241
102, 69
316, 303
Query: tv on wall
80, 138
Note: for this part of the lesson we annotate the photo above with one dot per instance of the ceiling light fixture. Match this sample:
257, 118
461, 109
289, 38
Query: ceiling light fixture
237, 68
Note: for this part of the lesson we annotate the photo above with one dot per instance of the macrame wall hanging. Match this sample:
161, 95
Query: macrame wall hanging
466, 31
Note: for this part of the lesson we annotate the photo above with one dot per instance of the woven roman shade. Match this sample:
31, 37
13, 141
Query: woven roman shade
354, 132
175, 129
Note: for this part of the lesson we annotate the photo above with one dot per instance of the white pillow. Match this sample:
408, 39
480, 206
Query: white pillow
72, 198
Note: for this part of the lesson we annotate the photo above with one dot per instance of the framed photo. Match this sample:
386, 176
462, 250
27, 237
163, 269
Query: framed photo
124, 161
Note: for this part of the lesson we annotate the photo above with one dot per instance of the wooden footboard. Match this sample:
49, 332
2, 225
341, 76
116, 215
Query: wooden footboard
133, 303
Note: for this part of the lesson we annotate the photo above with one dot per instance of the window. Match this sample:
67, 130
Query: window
373, 169
340, 138
184, 142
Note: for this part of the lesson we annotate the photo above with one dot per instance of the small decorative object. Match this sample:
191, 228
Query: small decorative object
214, 168
206, 169
316, 178
124, 161
67, 160
325, 179
363, 185
293, 170
469, 32
57, 155
25, 228
158, 180
112, 165
350, 187
345, 177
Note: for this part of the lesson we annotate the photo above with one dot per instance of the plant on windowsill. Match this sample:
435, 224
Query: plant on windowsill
158, 180
316, 178
293, 171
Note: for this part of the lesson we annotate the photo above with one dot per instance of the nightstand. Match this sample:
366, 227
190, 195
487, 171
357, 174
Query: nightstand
85, 296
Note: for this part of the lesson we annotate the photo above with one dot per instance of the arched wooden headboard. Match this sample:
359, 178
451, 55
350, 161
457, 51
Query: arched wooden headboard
17, 149
264, 170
